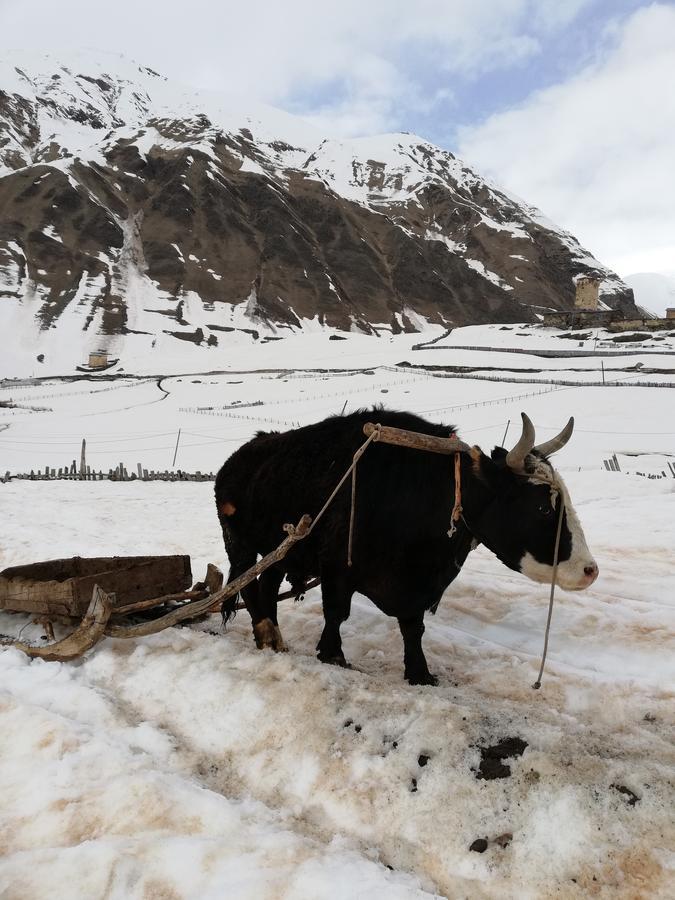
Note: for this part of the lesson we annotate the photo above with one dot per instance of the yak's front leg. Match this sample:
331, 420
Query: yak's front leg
416, 669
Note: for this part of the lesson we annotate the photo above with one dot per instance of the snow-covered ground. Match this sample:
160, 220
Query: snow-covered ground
189, 764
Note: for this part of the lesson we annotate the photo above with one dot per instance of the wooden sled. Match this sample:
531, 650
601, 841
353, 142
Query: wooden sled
104, 594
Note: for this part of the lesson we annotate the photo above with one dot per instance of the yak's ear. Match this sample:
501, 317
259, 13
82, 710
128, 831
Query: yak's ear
498, 455
481, 465
492, 469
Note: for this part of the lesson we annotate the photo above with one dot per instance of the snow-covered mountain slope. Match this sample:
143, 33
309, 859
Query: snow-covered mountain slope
653, 291
137, 211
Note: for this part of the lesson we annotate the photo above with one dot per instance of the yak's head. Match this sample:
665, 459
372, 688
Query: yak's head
520, 522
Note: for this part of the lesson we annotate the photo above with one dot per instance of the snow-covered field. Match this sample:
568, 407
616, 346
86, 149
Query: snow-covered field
189, 764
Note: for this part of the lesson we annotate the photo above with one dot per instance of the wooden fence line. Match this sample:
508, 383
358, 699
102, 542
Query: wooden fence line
119, 473
627, 348
530, 380
612, 465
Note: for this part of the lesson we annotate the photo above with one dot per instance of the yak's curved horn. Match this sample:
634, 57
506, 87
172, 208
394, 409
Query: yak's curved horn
549, 447
515, 458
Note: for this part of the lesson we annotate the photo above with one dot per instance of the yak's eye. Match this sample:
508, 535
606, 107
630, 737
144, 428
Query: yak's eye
545, 510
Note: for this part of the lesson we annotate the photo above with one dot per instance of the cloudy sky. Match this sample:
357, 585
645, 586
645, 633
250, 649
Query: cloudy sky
568, 103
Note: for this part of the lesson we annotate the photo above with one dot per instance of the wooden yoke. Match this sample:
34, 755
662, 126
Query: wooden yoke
414, 440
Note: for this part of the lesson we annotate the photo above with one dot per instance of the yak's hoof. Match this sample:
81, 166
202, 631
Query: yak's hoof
267, 634
421, 678
335, 660
279, 643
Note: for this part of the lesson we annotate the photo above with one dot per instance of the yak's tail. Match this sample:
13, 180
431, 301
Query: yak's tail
228, 609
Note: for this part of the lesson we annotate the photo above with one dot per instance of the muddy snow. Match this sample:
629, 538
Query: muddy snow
190, 765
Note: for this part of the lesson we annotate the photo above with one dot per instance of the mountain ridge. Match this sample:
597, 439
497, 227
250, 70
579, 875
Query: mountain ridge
136, 212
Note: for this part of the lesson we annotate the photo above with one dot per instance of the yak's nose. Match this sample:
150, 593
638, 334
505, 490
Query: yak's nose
591, 571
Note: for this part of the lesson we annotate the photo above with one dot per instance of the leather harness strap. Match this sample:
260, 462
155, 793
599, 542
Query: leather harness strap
457, 508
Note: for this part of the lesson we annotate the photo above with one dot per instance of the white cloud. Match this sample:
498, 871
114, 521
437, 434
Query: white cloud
597, 152
364, 66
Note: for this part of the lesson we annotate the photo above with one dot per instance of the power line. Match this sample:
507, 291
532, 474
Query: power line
75, 439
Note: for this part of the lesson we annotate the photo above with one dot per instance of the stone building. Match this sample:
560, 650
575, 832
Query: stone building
98, 359
588, 290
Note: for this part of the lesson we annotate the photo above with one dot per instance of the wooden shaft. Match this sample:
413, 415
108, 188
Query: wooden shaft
199, 607
414, 440
286, 595
158, 601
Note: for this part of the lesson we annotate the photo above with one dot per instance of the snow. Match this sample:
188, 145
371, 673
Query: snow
140, 95
516, 231
250, 165
189, 764
452, 246
479, 267
51, 232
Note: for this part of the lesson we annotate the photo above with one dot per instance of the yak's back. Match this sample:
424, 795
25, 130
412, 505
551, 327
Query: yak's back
280, 475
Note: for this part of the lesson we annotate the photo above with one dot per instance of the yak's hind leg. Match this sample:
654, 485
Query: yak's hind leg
266, 629
336, 592
416, 669
259, 595
260, 598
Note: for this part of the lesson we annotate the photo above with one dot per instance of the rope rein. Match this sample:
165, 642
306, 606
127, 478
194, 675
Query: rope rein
375, 436
537, 683
352, 469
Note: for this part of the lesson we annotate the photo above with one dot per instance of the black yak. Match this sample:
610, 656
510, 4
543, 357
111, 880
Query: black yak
403, 555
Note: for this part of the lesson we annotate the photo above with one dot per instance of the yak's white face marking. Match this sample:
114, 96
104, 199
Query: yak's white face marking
580, 570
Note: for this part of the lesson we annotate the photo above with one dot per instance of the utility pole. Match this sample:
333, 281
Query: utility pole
83, 459
175, 453
603, 370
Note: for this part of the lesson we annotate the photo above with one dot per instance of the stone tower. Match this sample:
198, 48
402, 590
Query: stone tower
588, 288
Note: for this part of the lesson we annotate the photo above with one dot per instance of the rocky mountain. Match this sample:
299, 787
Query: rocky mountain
136, 211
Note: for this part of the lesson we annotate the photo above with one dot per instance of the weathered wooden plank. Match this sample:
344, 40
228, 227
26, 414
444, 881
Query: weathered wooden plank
141, 581
63, 587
